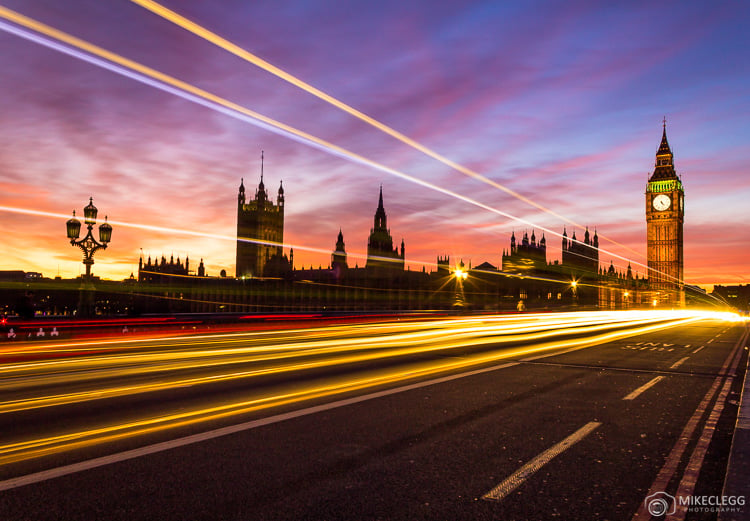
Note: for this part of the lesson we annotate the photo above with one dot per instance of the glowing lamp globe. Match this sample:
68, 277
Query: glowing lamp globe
105, 231
74, 227
90, 212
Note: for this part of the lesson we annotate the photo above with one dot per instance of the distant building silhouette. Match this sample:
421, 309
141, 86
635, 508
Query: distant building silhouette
160, 271
526, 257
260, 230
266, 280
581, 258
380, 251
444, 265
665, 214
338, 257
737, 296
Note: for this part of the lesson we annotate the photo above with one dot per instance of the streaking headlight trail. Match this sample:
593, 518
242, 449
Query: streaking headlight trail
296, 367
75, 47
246, 55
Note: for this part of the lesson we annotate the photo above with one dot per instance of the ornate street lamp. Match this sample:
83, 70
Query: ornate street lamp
460, 274
574, 290
89, 246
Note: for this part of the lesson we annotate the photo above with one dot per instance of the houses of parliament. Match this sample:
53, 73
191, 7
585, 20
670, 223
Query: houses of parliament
266, 278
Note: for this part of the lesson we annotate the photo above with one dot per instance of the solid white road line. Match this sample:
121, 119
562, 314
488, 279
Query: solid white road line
690, 477
675, 455
637, 392
197, 438
678, 363
519, 476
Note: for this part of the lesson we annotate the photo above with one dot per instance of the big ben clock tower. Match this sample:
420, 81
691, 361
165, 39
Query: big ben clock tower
665, 211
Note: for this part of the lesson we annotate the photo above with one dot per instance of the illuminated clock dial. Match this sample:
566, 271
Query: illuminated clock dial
661, 202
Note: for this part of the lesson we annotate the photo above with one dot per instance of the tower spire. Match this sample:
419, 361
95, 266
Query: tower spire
241, 193
664, 164
664, 145
380, 218
261, 193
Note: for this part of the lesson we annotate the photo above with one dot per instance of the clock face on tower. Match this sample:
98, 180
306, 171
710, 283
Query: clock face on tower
661, 202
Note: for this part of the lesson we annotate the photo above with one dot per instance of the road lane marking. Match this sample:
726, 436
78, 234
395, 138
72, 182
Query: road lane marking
232, 429
690, 477
644, 387
710, 341
678, 363
701, 347
208, 435
675, 455
514, 480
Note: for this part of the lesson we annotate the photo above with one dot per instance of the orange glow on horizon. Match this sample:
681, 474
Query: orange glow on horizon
39, 257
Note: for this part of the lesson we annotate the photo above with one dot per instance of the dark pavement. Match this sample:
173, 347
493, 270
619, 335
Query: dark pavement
432, 452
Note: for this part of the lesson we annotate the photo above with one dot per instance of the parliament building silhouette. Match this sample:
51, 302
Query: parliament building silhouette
267, 280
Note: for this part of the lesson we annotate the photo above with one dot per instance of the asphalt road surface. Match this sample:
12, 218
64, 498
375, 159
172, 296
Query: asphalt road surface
486, 425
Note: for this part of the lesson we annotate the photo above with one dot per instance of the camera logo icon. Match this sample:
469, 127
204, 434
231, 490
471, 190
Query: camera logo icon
660, 504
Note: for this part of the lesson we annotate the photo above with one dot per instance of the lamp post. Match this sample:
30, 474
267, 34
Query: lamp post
89, 246
460, 274
574, 290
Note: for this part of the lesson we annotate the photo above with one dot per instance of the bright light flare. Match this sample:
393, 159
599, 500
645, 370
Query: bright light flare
480, 339
246, 55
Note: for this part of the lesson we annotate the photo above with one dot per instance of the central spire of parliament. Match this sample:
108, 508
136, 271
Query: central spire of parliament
380, 251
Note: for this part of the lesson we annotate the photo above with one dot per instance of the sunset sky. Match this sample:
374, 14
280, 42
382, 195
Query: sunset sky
559, 101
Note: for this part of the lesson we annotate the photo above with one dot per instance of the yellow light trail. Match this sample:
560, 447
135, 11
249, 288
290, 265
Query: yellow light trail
460, 336
351, 339
347, 351
246, 55
152, 77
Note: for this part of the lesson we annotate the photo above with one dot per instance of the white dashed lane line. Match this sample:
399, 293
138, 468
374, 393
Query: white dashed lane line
678, 363
518, 477
644, 387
